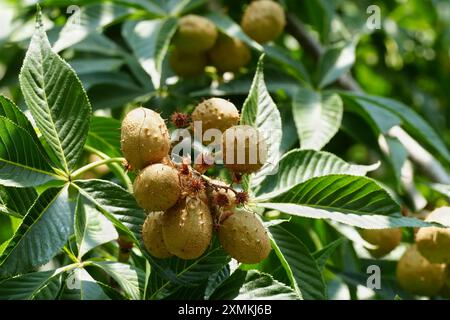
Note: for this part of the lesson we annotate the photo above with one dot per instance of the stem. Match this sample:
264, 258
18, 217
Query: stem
70, 254
92, 165
122, 174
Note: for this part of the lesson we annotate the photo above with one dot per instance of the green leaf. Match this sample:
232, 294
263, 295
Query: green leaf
177, 7
56, 99
336, 61
116, 203
282, 56
253, 285
79, 285
43, 232
104, 135
21, 161
97, 64
188, 272
317, 116
302, 269
324, 254
9, 110
215, 280
89, 19
31, 286
129, 278
226, 25
379, 118
150, 41
16, 201
443, 189
357, 201
297, 166
260, 111
92, 229
412, 122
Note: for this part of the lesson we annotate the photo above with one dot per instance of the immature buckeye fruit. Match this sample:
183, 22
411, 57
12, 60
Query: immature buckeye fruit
152, 236
215, 113
144, 138
187, 228
244, 149
187, 64
417, 275
433, 242
244, 237
157, 187
229, 54
263, 20
195, 34
386, 240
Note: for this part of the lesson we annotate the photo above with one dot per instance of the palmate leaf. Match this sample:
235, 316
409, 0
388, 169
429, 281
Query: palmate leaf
42, 233
150, 41
56, 99
260, 111
297, 166
253, 285
30, 286
16, 201
131, 279
317, 117
301, 268
353, 200
92, 229
21, 161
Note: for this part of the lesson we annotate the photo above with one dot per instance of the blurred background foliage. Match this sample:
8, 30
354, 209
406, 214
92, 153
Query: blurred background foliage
406, 59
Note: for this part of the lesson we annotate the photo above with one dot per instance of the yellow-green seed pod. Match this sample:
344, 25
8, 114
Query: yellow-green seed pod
263, 20
144, 138
195, 34
157, 187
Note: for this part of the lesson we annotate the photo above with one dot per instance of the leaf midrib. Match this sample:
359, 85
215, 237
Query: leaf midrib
47, 106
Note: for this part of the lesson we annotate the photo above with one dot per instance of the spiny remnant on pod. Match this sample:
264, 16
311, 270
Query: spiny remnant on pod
215, 113
187, 228
152, 236
223, 197
229, 54
434, 242
144, 138
187, 64
157, 187
385, 240
244, 149
195, 34
244, 237
417, 275
263, 20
